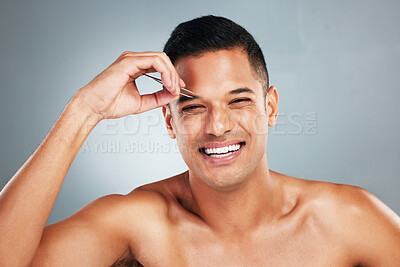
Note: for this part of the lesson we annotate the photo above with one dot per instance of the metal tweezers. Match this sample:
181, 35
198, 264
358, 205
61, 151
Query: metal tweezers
184, 93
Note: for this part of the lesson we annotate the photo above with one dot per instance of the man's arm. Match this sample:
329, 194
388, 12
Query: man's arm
27, 199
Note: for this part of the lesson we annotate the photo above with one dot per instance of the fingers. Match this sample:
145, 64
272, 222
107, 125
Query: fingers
177, 81
174, 77
155, 100
135, 64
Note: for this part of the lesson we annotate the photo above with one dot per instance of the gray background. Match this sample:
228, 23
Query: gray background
335, 64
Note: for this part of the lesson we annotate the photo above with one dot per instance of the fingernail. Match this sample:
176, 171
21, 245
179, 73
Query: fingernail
183, 84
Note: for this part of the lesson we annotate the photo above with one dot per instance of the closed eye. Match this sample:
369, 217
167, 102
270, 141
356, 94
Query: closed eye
191, 107
240, 100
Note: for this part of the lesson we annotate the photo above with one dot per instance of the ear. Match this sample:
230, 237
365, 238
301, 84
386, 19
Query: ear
168, 121
271, 102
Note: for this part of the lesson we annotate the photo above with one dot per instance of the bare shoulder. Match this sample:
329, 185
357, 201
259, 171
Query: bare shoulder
103, 231
349, 199
148, 200
368, 226
114, 210
353, 204
355, 218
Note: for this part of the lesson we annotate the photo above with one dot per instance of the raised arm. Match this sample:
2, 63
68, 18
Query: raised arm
26, 201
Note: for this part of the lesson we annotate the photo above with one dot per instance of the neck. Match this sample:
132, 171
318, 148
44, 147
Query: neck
241, 208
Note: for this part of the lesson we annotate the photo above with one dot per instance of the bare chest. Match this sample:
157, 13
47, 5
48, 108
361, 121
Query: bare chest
270, 250
196, 247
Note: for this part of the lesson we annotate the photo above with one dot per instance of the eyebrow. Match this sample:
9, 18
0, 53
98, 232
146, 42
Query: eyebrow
183, 99
241, 90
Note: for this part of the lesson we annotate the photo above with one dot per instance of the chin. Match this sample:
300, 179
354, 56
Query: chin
227, 180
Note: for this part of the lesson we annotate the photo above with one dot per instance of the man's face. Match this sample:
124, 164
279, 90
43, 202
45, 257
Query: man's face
221, 134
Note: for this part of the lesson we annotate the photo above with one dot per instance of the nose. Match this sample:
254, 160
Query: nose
218, 121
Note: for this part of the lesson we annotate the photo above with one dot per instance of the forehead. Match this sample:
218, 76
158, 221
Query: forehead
222, 68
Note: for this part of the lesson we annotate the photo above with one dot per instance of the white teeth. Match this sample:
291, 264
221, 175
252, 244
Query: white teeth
220, 156
222, 150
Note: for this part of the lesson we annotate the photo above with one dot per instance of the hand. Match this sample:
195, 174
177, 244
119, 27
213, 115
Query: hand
113, 93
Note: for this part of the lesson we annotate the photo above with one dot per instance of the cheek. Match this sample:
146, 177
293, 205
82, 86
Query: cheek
253, 121
189, 126
188, 129
260, 125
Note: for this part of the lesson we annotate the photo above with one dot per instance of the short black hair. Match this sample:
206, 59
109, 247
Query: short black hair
212, 33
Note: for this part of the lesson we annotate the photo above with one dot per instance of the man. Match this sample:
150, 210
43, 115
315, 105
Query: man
229, 209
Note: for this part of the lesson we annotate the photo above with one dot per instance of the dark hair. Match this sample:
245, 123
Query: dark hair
211, 33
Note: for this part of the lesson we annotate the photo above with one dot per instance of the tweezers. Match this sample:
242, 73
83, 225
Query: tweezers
184, 93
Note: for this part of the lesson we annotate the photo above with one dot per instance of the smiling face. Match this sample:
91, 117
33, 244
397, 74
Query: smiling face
222, 132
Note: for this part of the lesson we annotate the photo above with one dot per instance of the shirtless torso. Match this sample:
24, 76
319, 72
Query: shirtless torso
316, 228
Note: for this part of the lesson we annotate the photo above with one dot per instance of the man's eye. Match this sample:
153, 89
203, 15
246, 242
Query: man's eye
191, 107
240, 100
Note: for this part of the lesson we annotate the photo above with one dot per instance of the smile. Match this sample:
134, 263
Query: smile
219, 152
216, 154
